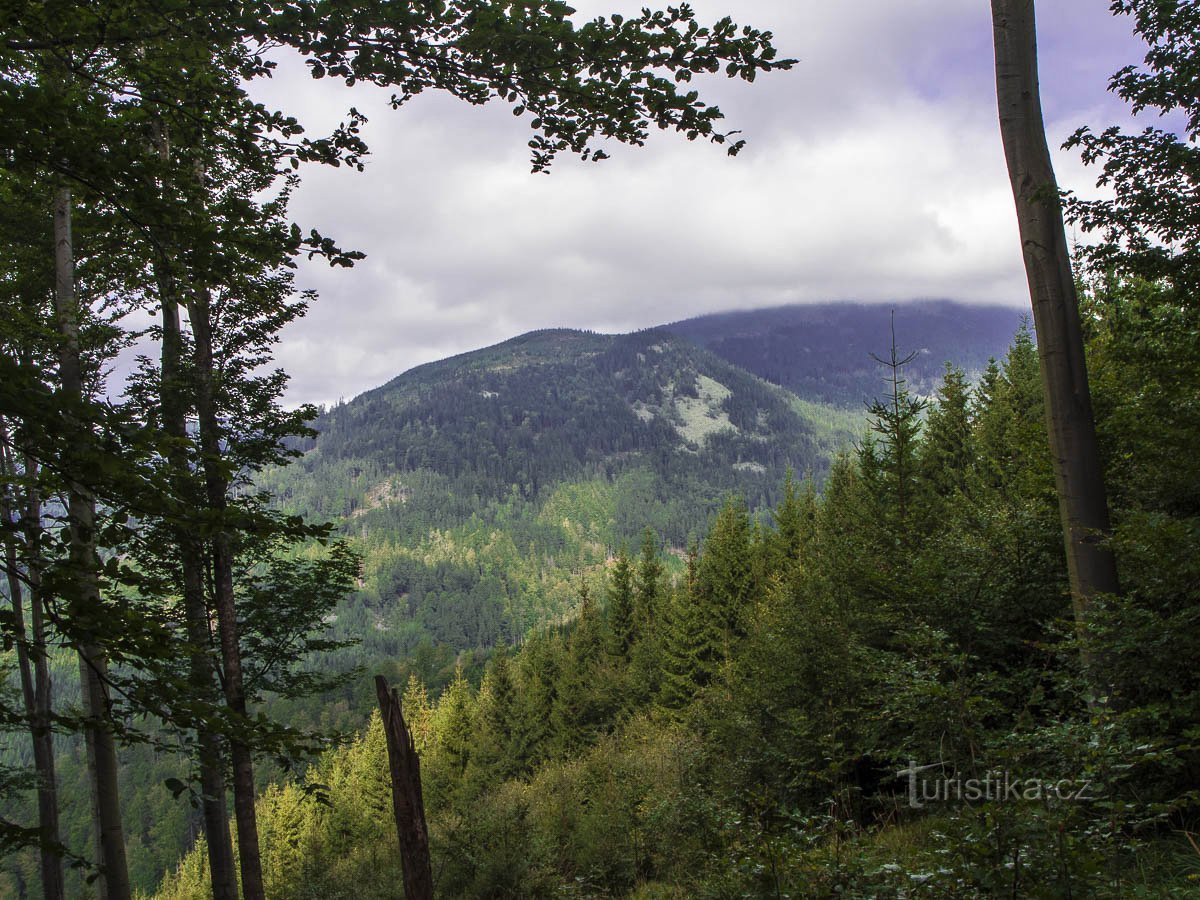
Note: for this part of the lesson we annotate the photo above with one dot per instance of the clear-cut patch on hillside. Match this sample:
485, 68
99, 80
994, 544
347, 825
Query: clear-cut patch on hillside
756, 468
390, 490
702, 415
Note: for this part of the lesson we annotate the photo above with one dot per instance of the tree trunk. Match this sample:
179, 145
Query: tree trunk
1078, 475
191, 559
216, 485
43, 698
81, 517
408, 806
202, 673
33, 664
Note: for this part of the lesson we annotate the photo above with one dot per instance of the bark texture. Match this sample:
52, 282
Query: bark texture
1078, 474
33, 662
81, 516
407, 803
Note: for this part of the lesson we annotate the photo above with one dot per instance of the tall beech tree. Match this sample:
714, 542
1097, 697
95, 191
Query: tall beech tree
202, 670
1078, 472
24, 298
22, 522
85, 602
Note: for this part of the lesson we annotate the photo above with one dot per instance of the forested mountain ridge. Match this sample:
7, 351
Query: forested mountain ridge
758, 724
479, 487
483, 488
822, 351
555, 404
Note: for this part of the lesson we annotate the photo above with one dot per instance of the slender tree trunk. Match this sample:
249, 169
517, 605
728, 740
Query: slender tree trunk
1078, 474
202, 673
81, 517
217, 486
43, 698
408, 806
33, 665
191, 560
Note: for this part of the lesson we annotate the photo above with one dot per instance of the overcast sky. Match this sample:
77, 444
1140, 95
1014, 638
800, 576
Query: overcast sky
873, 170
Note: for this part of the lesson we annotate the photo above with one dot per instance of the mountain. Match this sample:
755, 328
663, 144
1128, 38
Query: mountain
554, 405
479, 487
823, 352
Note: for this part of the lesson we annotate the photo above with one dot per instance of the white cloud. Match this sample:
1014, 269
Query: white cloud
874, 171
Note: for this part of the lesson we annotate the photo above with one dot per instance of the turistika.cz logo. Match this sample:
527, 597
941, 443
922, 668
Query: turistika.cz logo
996, 786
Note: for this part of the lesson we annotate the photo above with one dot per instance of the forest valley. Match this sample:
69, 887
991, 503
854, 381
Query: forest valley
737, 728
996, 583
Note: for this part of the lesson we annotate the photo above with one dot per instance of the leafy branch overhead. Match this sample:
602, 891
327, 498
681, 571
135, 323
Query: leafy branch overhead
612, 78
1151, 227
609, 78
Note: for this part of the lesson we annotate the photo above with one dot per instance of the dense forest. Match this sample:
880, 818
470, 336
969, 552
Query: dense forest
144, 208
744, 726
478, 487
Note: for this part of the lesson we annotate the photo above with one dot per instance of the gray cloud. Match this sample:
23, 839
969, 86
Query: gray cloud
874, 171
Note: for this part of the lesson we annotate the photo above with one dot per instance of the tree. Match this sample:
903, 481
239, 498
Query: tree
622, 622
725, 571
495, 750
407, 802
32, 648
891, 458
455, 724
1150, 227
540, 664
788, 544
23, 482
85, 599
582, 698
948, 451
697, 637
1010, 425
173, 410
180, 149
651, 601
648, 590
1078, 472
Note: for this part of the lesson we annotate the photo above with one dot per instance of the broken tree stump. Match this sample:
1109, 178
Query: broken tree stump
407, 803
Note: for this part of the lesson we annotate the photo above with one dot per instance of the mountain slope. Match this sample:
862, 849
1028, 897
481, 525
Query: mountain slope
555, 405
822, 352
479, 486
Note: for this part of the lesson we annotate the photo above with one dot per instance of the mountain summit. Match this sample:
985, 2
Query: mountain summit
823, 351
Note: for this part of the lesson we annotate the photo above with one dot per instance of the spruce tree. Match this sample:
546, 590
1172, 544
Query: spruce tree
651, 614
647, 588
582, 701
890, 460
787, 545
696, 639
622, 617
948, 448
540, 663
494, 751
456, 724
418, 712
725, 572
